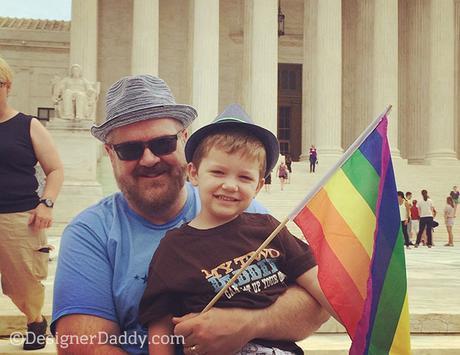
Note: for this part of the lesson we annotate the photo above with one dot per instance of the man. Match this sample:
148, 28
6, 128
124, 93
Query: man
405, 215
408, 203
106, 250
455, 195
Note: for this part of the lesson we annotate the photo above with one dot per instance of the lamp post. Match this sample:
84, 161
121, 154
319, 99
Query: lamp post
280, 20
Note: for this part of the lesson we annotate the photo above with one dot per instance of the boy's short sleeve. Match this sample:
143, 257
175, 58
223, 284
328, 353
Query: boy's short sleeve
257, 207
157, 300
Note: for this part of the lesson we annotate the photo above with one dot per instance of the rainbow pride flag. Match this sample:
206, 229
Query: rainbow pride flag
351, 220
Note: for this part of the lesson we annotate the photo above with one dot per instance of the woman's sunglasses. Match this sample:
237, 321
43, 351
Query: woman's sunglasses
158, 146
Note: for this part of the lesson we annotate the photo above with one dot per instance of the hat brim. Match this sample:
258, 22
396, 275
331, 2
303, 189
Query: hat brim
268, 139
182, 113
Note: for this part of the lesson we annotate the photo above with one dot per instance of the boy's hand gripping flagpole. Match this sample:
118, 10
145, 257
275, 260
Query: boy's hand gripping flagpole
349, 151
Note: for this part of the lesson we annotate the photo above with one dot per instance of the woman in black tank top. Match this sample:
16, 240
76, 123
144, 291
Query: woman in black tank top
23, 214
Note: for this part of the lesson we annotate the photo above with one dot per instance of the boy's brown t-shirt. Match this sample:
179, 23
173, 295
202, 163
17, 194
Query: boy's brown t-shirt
190, 266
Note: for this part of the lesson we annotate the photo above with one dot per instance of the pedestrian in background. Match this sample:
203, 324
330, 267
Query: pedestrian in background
313, 158
449, 217
427, 212
24, 215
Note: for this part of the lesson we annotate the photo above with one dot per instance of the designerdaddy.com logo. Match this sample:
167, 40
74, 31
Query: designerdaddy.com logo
101, 338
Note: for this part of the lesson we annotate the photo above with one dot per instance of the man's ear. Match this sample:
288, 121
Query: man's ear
109, 151
192, 173
184, 135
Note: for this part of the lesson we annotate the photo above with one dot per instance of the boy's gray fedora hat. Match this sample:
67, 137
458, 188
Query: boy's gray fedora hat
138, 98
235, 116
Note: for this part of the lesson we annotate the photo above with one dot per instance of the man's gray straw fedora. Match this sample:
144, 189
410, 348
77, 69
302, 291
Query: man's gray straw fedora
138, 98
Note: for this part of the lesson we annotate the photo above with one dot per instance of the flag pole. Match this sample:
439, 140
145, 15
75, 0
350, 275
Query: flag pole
245, 265
344, 157
351, 149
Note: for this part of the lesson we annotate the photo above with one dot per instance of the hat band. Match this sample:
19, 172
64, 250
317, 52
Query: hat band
231, 119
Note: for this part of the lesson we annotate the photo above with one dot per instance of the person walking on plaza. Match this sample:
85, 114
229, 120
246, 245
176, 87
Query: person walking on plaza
409, 223
23, 214
268, 182
404, 213
455, 195
288, 161
427, 212
313, 158
283, 174
415, 218
449, 218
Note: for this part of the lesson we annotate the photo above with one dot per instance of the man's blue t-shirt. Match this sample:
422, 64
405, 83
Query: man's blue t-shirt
103, 263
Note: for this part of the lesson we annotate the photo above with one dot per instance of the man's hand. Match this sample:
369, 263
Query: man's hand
41, 217
218, 331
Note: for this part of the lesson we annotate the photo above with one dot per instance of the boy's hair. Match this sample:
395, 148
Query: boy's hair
232, 140
6, 74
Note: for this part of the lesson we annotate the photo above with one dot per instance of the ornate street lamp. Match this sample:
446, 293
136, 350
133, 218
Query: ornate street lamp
280, 20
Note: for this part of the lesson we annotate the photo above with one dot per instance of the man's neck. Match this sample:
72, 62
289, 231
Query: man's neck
166, 215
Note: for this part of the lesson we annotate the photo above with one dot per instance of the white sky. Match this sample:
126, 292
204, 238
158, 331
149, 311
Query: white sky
37, 9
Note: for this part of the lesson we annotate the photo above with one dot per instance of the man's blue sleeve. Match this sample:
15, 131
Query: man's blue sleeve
257, 207
83, 283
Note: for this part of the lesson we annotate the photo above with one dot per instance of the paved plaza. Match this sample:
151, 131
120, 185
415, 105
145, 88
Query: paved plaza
433, 274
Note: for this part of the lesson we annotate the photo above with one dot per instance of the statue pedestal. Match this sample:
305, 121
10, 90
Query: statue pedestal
78, 150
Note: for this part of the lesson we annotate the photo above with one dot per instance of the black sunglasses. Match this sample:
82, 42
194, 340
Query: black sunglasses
159, 146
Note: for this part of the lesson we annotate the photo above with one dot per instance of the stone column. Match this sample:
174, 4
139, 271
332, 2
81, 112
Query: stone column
144, 53
260, 62
442, 73
76, 146
386, 66
322, 76
204, 57
83, 37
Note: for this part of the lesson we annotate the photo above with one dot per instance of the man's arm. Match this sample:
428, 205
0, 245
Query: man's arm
83, 301
84, 334
294, 316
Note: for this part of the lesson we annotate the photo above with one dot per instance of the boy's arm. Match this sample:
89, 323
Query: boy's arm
294, 316
309, 281
157, 331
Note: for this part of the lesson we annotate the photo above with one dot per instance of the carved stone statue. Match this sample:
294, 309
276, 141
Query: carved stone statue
75, 97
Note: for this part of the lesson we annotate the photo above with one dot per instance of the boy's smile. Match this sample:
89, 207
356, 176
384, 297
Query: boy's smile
227, 184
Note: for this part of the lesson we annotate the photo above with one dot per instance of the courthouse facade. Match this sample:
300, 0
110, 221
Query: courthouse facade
338, 65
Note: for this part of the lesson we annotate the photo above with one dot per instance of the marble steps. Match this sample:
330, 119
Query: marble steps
338, 344
318, 344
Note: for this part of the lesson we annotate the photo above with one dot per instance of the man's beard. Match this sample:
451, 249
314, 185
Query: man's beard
158, 196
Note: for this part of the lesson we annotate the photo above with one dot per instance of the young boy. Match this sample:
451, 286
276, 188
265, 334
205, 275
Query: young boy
228, 161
